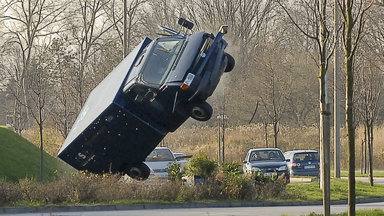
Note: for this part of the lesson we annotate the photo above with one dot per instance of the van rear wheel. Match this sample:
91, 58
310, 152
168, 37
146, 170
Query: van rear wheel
230, 63
139, 171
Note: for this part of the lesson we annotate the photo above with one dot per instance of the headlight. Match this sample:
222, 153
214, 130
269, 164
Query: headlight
255, 169
282, 168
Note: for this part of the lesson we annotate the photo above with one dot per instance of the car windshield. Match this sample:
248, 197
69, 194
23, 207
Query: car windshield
306, 156
161, 60
263, 155
160, 155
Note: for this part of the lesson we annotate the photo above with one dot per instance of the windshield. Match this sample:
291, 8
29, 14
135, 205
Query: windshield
160, 155
161, 60
263, 155
308, 156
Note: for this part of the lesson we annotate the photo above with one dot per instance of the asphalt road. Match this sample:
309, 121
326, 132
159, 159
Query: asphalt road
224, 211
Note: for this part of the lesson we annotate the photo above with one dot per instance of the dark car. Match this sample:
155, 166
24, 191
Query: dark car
303, 162
154, 90
269, 161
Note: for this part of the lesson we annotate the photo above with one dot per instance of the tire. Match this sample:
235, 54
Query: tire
230, 63
139, 171
201, 111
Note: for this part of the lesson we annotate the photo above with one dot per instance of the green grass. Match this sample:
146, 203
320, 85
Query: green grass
358, 174
339, 190
21, 159
372, 212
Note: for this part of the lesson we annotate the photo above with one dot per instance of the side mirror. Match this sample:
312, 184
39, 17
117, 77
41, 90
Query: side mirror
288, 160
223, 29
244, 161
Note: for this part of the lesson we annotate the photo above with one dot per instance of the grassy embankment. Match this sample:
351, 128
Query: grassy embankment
21, 159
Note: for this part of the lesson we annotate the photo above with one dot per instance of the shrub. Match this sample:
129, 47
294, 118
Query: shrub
9, 192
175, 173
232, 168
201, 165
237, 186
82, 187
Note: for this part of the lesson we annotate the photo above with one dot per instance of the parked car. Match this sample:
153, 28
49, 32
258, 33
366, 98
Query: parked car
159, 160
182, 158
303, 162
152, 92
179, 155
270, 161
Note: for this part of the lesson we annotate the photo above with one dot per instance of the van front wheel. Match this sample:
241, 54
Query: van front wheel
201, 111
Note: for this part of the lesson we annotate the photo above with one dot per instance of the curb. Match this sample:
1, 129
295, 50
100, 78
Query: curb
51, 209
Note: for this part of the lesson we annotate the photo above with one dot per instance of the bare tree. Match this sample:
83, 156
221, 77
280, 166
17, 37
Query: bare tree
26, 22
88, 25
38, 90
317, 14
353, 24
369, 89
369, 79
114, 11
274, 88
62, 64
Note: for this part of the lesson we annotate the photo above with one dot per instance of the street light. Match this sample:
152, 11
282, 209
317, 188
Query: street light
221, 136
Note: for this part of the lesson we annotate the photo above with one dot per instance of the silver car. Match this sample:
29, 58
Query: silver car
303, 162
158, 161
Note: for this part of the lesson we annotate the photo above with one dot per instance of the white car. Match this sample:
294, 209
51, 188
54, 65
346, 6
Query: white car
158, 161
182, 159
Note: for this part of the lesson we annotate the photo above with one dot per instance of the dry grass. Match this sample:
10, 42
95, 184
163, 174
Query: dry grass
239, 139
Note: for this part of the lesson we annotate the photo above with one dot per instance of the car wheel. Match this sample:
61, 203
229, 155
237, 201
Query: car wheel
139, 171
201, 111
230, 63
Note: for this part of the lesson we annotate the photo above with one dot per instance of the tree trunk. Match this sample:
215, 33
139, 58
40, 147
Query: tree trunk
41, 152
365, 148
370, 149
266, 134
349, 110
276, 131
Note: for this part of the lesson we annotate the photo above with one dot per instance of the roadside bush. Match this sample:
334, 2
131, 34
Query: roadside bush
201, 165
9, 192
81, 187
208, 190
175, 173
234, 184
232, 168
237, 186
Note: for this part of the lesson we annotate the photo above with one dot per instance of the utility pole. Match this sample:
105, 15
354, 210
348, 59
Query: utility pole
221, 137
336, 93
125, 42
